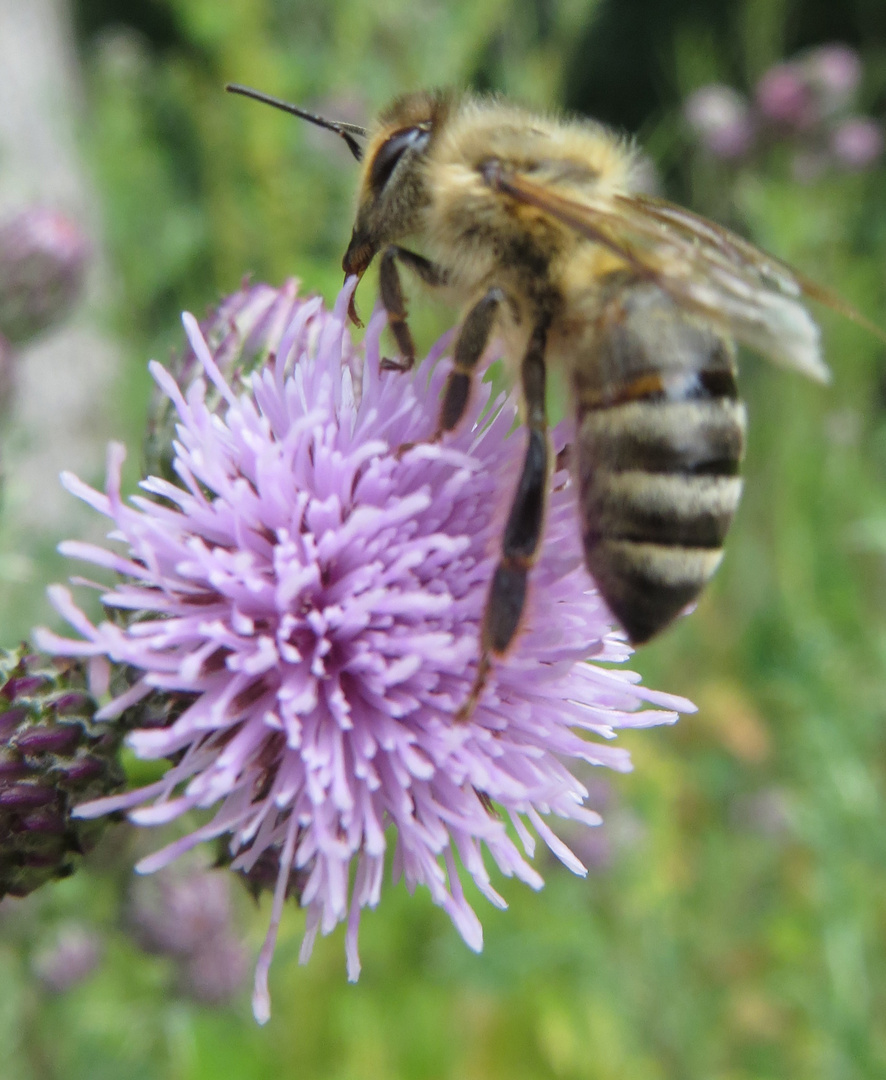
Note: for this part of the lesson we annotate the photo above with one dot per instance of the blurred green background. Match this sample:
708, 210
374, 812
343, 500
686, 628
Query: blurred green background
733, 925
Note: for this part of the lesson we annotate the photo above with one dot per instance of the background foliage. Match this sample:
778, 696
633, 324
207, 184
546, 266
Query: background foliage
733, 926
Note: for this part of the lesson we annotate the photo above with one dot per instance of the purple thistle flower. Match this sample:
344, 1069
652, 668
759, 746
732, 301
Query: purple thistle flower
317, 597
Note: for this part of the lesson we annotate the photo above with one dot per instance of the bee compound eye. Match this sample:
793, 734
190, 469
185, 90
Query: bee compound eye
390, 152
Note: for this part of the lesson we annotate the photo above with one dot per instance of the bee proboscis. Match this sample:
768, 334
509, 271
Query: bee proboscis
536, 226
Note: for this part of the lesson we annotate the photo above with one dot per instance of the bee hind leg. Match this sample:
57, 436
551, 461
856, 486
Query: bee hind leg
394, 304
522, 536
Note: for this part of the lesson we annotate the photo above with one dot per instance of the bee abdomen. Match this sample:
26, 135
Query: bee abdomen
698, 437
646, 584
660, 508
659, 488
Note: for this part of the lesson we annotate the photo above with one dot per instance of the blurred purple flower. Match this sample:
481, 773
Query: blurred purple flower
721, 120
857, 142
803, 102
834, 73
73, 956
215, 973
815, 85
178, 913
784, 97
43, 261
317, 596
187, 915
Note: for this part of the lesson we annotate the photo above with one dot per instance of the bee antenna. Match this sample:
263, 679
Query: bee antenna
347, 131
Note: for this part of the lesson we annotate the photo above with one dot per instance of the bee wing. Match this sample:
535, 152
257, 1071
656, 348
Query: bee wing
705, 268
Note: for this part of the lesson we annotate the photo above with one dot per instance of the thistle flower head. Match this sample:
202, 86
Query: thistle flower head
314, 598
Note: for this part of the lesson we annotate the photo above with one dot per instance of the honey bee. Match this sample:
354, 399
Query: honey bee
536, 226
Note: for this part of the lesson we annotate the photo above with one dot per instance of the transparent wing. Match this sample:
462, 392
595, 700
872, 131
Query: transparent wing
750, 295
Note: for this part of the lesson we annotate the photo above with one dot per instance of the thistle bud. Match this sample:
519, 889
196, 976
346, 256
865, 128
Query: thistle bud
52, 756
243, 332
43, 259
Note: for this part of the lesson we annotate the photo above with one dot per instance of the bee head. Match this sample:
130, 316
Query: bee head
393, 186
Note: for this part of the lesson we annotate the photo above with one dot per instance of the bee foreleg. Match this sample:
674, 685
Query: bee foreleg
472, 341
394, 304
522, 536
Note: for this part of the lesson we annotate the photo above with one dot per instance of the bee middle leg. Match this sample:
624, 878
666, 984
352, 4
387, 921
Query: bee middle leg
473, 338
522, 536
394, 304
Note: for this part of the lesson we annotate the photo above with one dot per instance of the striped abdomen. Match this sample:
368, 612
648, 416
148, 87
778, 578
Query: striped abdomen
659, 440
